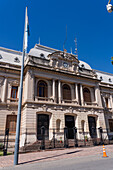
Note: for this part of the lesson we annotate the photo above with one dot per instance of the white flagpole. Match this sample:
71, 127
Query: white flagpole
20, 93
26, 33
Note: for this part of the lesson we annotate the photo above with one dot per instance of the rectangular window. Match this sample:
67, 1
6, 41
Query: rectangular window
11, 123
106, 100
111, 125
14, 92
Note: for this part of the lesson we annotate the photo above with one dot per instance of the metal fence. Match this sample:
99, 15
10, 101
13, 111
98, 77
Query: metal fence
57, 138
67, 137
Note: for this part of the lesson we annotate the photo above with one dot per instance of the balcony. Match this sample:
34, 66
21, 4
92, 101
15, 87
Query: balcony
44, 99
12, 100
69, 101
90, 104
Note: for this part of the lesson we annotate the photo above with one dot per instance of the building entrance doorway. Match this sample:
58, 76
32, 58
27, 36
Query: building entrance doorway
70, 123
42, 120
92, 126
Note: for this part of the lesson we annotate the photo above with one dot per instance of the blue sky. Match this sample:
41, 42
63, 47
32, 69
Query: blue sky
88, 20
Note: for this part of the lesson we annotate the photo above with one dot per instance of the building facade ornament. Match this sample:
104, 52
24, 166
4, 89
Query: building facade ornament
69, 92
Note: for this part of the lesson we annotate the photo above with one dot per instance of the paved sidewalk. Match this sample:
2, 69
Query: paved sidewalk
54, 155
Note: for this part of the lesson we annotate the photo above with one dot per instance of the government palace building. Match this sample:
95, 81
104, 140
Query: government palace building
59, 91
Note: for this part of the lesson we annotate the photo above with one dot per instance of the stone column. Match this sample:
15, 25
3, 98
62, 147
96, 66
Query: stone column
53, 89
4, 90
96, 94
104, 101
59, 91
111, 101
76, 92
1, 90
81, 95
99, 100
49, 91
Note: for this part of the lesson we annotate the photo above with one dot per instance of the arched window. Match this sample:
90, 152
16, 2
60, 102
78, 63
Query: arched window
42, 89
66, 92
58, 123
87, 95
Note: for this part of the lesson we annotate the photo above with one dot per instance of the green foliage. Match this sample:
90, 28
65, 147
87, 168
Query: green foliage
1, 153
112, 60
1, 146
86, 138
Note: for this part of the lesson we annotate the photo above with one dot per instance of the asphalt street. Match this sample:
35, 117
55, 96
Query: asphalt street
95, 162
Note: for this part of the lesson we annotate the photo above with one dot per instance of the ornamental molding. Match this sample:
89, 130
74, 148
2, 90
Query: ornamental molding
44, 107
70, 110
14, 82
63, 56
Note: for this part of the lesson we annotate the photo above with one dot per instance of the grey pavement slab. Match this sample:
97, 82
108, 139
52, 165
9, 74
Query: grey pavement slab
80, 163
57, 157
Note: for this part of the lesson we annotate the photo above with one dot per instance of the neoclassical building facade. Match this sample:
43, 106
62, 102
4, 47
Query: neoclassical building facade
58, 91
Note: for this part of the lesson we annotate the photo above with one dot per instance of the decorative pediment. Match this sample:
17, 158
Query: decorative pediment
64, 61
62, 55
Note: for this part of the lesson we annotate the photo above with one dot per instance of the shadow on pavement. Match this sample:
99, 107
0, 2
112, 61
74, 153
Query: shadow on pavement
49, 157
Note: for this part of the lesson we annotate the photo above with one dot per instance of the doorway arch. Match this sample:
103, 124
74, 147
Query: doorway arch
42, 121
92, 122
70, 124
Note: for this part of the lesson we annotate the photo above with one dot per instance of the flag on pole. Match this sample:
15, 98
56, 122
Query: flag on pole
109, 1
26, 32
25, 44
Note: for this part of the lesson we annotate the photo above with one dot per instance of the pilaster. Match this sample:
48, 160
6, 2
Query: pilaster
4, 90
81, 94
76, 92
59, 91
53, 89
29, 86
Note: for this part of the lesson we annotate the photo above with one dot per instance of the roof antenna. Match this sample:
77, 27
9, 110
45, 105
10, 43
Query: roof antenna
66, 38
39, 41
76, 50
71, 50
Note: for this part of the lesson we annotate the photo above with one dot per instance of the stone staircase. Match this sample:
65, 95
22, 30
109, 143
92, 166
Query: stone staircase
50, 144
36, 146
